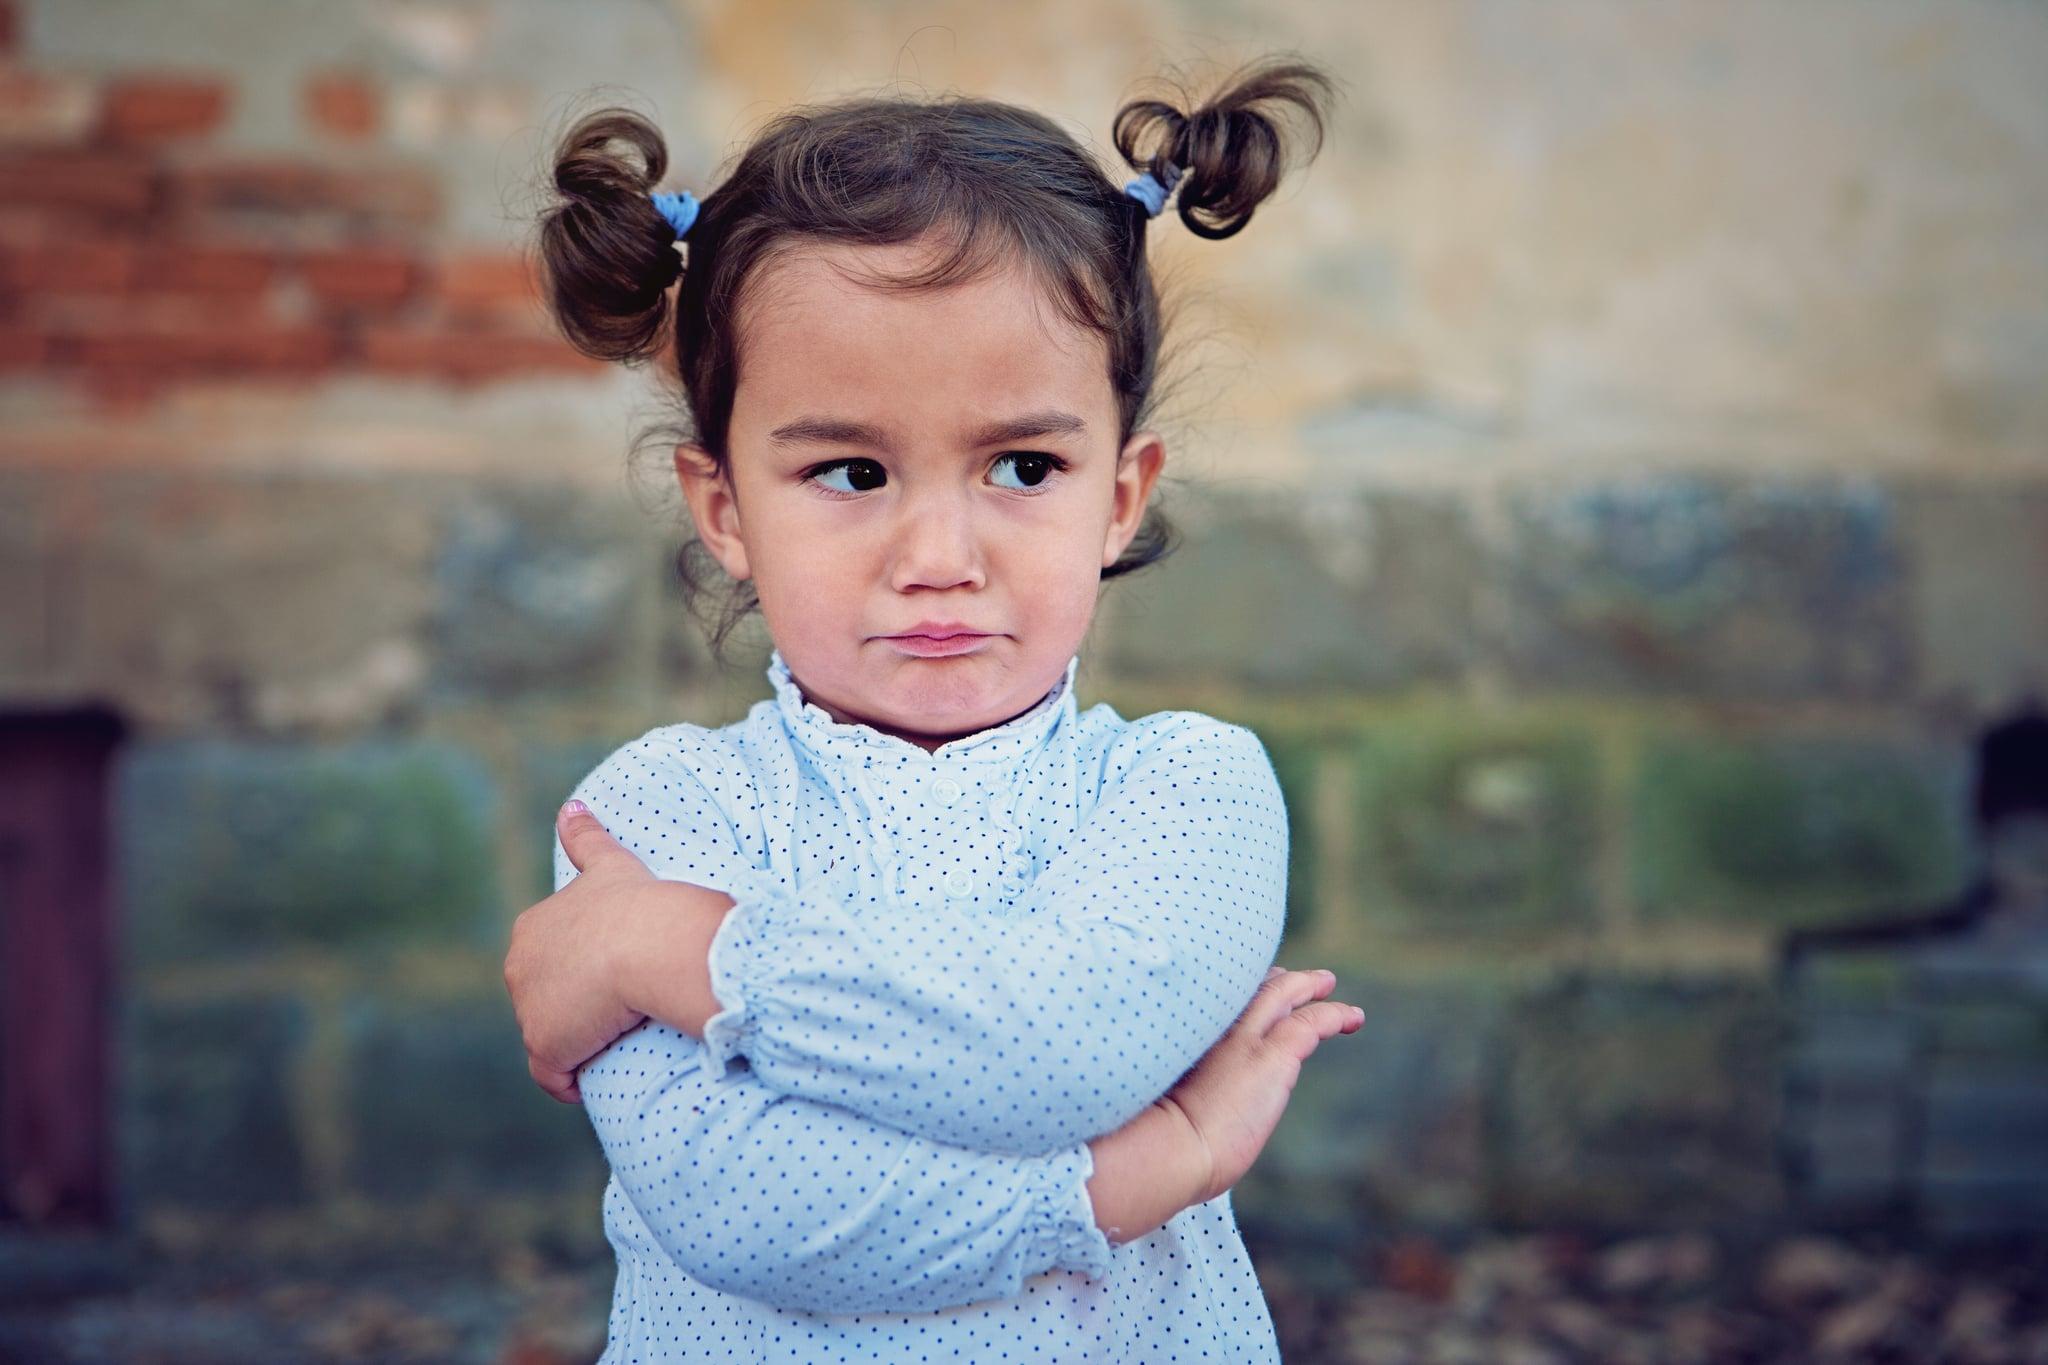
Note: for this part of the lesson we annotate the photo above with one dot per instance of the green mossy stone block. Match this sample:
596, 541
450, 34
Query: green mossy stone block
1295, 758
1291, 593
443, 1104
1641, 1101
205, 1099
1991, 1030
1852, 978
1476, 827
1686, 584
1794, 832
230, 848
536, 590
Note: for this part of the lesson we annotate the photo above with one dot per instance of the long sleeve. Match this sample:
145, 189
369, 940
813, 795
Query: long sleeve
1129, 955
805, 1205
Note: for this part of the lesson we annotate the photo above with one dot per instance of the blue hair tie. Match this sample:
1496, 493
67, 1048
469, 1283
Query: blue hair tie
1147, 190
679, 209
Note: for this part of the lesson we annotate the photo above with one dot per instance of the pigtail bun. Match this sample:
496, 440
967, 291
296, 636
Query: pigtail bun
607, 256
1230, 148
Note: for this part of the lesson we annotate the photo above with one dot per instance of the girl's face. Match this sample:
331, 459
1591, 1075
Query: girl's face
875, 489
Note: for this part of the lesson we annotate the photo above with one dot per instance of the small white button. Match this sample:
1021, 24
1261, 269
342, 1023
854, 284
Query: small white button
945, 791
959, 883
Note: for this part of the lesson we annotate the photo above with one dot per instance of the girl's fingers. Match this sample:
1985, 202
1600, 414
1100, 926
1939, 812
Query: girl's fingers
1300, 1032
1282, 995
1332, 1017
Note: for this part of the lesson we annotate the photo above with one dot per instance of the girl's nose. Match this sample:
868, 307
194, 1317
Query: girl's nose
937, 546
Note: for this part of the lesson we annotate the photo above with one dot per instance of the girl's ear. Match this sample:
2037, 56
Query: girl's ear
1137, 469
713, 508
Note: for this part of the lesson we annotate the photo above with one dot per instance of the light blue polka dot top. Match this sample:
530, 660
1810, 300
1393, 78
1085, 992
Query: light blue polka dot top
944, 972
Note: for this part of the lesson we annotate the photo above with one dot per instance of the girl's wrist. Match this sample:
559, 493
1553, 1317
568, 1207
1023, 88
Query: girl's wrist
1147, 1171
1196, 1164
661, 949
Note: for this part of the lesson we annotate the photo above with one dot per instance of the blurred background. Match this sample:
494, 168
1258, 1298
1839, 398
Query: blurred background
1615, 486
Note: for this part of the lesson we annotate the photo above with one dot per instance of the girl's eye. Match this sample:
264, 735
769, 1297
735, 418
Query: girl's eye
1035, 467
816, 475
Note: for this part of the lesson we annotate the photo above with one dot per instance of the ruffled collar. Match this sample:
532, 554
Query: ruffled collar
814, 728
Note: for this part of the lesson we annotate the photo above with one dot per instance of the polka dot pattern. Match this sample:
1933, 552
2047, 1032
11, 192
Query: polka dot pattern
942, 974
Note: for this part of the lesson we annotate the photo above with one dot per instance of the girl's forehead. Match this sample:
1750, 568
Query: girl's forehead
814, 319
798, 288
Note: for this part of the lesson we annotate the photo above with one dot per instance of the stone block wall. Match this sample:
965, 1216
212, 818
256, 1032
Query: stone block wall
1612, 484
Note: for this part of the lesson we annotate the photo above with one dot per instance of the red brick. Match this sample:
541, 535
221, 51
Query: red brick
78, 266
149, 110
469, 357
10, 28
206, 270
479, 283
203, 347
359, 274
342, 104
78, 182
125, 392
278, 191
22, 349
66, 314
46, 106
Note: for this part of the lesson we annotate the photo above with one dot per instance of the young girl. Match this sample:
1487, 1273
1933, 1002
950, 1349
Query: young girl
948, 1021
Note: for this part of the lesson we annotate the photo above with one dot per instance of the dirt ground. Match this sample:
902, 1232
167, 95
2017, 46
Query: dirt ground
1549, 1298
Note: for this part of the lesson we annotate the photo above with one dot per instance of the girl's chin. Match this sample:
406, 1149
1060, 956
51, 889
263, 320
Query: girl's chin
921, 701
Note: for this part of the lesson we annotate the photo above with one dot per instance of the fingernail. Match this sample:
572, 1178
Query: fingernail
573, 807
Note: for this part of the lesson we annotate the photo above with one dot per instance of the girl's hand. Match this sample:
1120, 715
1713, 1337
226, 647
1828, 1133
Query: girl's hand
1234, 1096
561, 966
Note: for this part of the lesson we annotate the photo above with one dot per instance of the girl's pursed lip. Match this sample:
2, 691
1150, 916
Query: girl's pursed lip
934, 647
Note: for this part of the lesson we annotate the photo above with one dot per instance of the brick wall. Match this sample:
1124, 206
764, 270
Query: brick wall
139, 253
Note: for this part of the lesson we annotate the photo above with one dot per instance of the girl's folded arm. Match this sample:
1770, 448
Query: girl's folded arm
808, 1206
1123, 962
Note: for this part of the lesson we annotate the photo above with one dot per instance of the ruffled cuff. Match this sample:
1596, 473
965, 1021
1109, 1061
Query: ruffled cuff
1064, 1216
737, 950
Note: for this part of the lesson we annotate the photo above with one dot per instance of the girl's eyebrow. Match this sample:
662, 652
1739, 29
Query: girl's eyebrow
836, 431
1050, 422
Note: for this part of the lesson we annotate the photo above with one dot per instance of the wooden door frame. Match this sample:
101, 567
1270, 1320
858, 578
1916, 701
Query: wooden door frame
57, 967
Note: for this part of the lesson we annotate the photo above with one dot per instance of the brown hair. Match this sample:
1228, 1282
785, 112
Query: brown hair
998, 182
